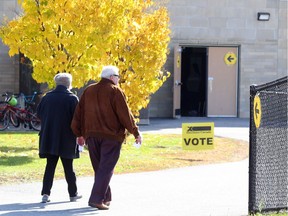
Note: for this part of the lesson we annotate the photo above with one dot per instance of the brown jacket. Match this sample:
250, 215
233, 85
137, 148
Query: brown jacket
103, 113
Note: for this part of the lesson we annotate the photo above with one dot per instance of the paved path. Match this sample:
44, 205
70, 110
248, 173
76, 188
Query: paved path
206, 190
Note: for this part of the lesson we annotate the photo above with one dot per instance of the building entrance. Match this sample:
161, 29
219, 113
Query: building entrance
194, 85
205, 81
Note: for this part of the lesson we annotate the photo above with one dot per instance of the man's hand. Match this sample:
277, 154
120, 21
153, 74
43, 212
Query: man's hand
80, 141
139, 139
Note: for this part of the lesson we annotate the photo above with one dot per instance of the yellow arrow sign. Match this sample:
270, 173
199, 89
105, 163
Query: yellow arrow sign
230, 58
257, 111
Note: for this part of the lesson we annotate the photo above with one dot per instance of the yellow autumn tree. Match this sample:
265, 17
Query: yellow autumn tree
81, 36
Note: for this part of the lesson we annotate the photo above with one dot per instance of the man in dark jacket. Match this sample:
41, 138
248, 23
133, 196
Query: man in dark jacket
57, 140
102, 118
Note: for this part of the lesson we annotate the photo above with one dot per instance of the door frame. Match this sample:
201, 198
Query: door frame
177, 78
177, 82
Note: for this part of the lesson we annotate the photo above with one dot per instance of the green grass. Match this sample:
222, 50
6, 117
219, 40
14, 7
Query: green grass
271, 214
19, 161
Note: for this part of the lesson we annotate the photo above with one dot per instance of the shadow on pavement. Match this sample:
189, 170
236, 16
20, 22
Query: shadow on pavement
30, 209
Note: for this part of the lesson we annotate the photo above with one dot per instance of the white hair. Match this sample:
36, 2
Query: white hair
64, 79
109, 70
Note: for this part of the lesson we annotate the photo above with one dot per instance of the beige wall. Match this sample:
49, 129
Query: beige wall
9, 66
263, 45
283, 38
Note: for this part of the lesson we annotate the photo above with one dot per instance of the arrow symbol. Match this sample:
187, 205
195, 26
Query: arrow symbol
257, 111
230, 58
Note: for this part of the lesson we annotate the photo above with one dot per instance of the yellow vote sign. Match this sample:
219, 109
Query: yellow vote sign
257, 111
198, 136
230, 58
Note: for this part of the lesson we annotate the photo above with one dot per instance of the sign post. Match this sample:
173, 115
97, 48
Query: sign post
198, 136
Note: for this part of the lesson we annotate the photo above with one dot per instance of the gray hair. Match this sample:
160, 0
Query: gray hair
108, 71
64, 79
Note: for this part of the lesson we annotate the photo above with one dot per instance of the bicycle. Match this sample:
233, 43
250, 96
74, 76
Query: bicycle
28, 100
10, 113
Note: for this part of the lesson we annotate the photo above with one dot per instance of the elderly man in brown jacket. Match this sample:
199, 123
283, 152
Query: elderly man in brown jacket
100, 120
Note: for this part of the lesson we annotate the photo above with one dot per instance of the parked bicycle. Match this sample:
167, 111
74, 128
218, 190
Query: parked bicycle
29, 100
10, 113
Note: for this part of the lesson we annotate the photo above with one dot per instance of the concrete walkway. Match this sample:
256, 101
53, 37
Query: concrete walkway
206, 190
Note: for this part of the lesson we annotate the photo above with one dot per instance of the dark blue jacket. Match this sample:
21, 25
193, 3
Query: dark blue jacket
55, 111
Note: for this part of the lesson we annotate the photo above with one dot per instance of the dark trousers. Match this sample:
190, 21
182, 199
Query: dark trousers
70, 176
104, 155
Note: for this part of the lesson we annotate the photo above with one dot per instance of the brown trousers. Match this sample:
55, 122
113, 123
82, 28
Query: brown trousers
104, 155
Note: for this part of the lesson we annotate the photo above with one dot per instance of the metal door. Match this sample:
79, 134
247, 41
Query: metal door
222, 81
177, 82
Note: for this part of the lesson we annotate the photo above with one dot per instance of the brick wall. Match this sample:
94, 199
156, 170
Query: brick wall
9, 66
262, 44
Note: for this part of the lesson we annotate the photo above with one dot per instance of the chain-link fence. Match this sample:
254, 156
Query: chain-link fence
268, 157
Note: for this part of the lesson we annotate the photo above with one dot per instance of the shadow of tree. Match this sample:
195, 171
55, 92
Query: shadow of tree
13, 155
15, 160
16, 149
28, 209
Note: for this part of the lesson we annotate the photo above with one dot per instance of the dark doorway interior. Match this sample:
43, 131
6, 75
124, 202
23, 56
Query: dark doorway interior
193, 78
27, 84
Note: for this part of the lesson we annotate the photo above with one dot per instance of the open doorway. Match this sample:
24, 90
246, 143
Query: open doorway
205, 81
193, 79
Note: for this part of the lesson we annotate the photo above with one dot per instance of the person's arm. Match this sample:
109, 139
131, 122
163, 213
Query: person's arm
39, 108
74, 102
76, 124
125, 115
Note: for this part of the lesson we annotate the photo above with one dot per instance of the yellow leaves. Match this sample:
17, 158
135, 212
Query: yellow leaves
137, 26
81, 36
13, 51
